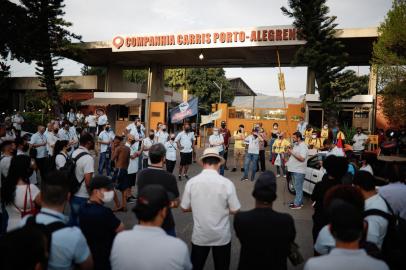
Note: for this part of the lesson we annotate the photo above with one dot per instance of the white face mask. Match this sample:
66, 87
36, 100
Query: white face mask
215, 132
314, 136
108, 196
325, 127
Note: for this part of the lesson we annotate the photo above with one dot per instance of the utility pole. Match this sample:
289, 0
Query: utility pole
220, 88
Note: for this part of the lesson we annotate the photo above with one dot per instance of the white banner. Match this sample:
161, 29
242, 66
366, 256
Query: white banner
206, 119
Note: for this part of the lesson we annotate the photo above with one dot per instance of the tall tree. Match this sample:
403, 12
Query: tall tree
49, 40
390, 57
322, 53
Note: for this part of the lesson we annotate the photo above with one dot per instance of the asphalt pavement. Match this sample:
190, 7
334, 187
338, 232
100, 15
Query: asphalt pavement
184, 221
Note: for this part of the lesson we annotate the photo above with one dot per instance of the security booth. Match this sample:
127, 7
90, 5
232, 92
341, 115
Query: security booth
354, 112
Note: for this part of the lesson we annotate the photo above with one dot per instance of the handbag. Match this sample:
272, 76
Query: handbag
295, 257
278, 161
33, 209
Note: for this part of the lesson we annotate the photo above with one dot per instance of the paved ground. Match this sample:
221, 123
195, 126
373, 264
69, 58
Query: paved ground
303, 222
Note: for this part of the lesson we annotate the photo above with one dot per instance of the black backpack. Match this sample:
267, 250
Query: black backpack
394, 244
47, 230
69, 169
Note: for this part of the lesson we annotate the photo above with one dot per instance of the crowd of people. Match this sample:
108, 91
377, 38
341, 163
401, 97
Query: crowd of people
355, 224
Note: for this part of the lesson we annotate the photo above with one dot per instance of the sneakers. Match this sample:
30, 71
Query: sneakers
180, 177
295, 207
244, 179
186, 176
234, 170
242, 169
284, 175
131, 199
278, 175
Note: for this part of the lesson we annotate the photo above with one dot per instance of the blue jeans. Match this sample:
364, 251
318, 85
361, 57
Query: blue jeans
222, 166
76, 203
298, 179
104, 162
171, 232
250, 158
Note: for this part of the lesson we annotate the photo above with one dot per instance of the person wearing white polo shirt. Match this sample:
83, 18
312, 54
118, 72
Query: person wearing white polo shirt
171, 148
185, 141
216, 140
211, 198
161, 136
104, 140
252, 141
147, 246
83, 171
360, 141
39, 142
101, 121
52, 137
91, 122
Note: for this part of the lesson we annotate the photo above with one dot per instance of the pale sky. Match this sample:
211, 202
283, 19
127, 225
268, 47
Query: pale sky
103, 19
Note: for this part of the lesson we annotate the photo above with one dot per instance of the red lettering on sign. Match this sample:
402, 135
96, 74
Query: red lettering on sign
271, 35
208, 38
285, 34
172, 40
292, 34
242, 36
278, 34
198, 39
215, 37
253, 36
186, 40
192, 39
264, 35
259, 35
179, 39
229, 37
235, 35
222, 37
127, 42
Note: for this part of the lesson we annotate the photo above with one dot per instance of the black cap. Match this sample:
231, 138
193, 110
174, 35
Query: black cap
152, 197
100, 181
265, 187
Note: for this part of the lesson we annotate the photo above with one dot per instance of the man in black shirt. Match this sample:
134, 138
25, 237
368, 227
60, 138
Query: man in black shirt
98, 223
265, 234
156, 175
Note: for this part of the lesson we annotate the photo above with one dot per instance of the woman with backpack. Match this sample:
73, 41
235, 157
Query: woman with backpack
17, 194
61, 151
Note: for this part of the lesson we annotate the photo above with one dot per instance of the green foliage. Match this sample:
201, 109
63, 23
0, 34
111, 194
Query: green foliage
390, 57
322, 53
33, 119
99, 71
349, 132
136, 75
351, 84
175, 78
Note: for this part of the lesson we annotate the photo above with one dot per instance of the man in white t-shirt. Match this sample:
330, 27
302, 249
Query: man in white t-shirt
104, 140
39, 142
71, 115
147, 246
211, 198
83, 171
301, 126
161, 136
101, 121
297, 164
185, 141
360, 141
251, 157
52, 138
17, 120
91, 122
171, 149
146, 144
217, 140
7, 151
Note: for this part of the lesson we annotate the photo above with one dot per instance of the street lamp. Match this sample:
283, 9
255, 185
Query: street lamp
220, 88
201, 56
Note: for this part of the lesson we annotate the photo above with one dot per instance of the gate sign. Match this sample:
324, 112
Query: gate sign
220, 38
184, 110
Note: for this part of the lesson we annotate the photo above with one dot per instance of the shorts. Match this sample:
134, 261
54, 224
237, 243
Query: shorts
132, 179
120, 177
239, 152
185, 159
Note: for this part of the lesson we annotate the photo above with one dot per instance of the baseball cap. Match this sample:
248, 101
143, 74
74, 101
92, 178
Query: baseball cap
153, 197
265, 187
100, 181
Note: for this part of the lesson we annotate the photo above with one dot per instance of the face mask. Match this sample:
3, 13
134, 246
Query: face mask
164, 129
108, 196
314, 136
187, 129
68, 149
359, 132
132, 142
325, 127
215, 132
151, 137
56, 130
223, 126
173, 138
107, 128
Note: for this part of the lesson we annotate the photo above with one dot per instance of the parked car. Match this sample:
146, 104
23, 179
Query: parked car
313, 176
